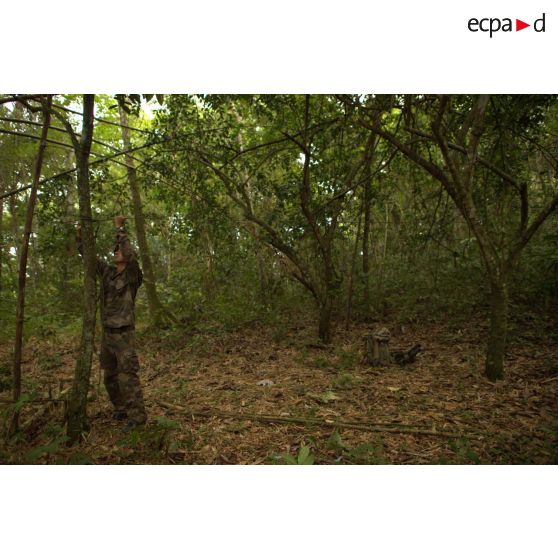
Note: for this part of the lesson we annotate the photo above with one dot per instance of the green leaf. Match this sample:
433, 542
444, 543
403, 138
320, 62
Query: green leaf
304, 456
39, 451
335, 442
329, 396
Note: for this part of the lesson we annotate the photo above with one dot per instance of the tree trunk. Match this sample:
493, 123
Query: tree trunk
70, 240
208, 281
262, 276
15, 227
366, 201
77, 405
324, 329
1, 239
350, 287
156, 311
384, 252
22, 271
496, 349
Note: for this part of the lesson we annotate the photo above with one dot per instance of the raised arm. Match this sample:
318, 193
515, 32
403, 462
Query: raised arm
122, 239
133, 270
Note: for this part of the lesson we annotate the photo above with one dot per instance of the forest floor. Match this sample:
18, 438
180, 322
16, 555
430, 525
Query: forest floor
266, 394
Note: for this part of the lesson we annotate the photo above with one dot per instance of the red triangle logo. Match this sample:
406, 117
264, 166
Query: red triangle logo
519, 25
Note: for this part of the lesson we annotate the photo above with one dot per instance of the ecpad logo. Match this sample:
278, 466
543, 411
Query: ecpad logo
492, 25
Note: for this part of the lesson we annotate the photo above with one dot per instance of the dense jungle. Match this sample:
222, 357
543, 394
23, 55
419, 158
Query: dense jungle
327, 279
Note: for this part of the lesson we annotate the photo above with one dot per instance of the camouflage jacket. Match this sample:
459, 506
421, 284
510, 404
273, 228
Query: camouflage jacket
118, 290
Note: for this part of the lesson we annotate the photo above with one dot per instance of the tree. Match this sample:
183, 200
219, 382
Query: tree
289, 165
158, 314
77, 404
22, 274
461, 130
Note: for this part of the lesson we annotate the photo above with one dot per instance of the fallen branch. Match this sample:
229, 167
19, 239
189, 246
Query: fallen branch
391, 428
34, 401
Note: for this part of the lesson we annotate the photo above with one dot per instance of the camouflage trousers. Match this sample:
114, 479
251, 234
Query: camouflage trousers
120, 364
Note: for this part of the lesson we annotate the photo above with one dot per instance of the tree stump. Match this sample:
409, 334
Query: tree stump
377, 347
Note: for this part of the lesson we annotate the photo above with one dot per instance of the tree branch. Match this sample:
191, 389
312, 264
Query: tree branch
96, 161
532, 229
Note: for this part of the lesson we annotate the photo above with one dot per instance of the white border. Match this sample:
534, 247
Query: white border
254, 46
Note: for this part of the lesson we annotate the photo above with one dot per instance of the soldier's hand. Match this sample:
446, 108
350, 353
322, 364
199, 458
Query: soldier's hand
119, 221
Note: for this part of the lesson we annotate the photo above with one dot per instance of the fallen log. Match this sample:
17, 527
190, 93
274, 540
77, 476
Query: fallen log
388, 428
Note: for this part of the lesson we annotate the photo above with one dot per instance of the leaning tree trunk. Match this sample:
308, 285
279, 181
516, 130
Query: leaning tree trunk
77, 405
494, 368
22, 272
156, 310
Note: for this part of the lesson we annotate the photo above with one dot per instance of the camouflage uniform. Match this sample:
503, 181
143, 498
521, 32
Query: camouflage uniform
118, 357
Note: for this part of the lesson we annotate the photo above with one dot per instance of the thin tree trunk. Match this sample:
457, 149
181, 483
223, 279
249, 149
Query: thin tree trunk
262, 276
350, 287
70, 240
367, 197
325, 309
22, 272
156, 310
384, 253
77, 404
496, 348
15, 227
1, 240
169, 257
208, 284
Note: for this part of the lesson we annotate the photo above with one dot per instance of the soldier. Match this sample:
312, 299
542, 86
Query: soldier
118, 358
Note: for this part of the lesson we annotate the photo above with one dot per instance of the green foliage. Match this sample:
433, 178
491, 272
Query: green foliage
47, 450
52, 450
344, 380
8, 410
335, 442
242, 232
368, 453
424, 261
304, 456
346, 359
153, 437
